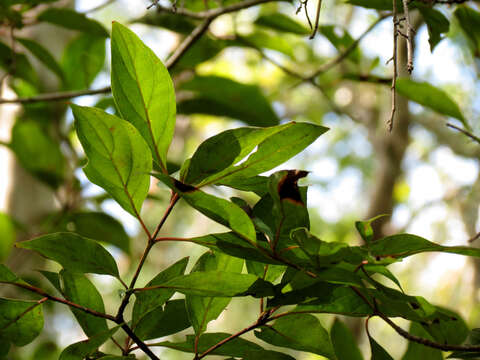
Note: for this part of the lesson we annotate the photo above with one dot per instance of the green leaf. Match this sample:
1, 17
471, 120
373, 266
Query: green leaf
6, 275
403, 245
268, 272
162, 322
119, 158
341, 39
38, 152
83, 59
344, 342
300, 332
430, 96
8, 235
74, 253
215, 95
81, 349
256, 184
53, 278
220, 284
147, 301
437, 24
265, 40
378, 352
143, 91
114, 357
469, 20
78, 289
417, 351
202, 50
23, 69
281, 22
42, 54
274, 146
98, 226
72, 20
220, 210
231, 244
172, 22
201, 310
237, 347
365, 229
376, 4
20, 321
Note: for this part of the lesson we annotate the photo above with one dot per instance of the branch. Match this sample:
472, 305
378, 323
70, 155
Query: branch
465, 132
55, 96
395, 67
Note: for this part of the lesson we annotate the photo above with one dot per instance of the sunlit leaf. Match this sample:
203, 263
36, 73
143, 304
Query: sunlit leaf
143, 91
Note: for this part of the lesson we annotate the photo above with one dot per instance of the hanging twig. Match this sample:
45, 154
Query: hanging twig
409, 38
317, 19
395, 67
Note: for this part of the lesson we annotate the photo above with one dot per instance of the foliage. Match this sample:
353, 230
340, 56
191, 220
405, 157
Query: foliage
293, 273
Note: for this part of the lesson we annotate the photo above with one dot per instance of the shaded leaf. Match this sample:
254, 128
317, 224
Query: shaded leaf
220, 284
163, 321
82, 60
72, 20
341, 39
430, 96
42, 54
281, 22
22, 69
38, 152
300, 332
147, 301
378, 352
215, 95
6, 275
98, 226
143, 91
118, 157
344, 342
20, 321
81, 349
220, 210
437, 24
173, 22
417, 351
74, 253
237, 347
469, 20
201, 310
78, 289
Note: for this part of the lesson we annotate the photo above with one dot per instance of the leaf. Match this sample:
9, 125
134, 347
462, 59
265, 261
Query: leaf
74, 253
344, 342
264, 40
118, 158
403, 245
202, 50
377, 4
81, 349
299, 332
215, 95
38, 152
469, 20
6, 275
365, 229
236, 347
220, 210
281, 22
341, 39
202, 310
72, 20
42, 54
232, 146
172, 22
267, 272
162, 322
437, 24
22, 70
274, 146
53, 278
143, 91
98, 226
378, 352
231, 244
78, 289
256, 184
147, 301
417, 351
8, 235
20, 321
430, 96
83, 59
220, 284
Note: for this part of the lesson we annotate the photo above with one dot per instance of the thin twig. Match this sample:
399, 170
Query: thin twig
56, 96
465, 132
409, 37
395, 67
317, 19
